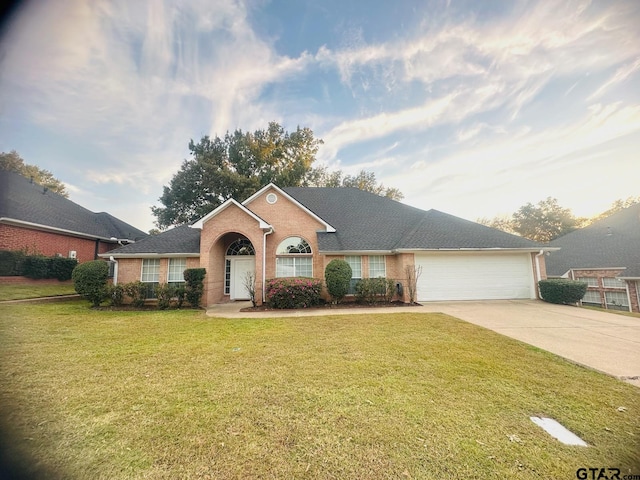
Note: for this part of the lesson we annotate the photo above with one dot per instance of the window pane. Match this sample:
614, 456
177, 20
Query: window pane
376, 266
613, 283
590, 281
355, 262
591, 297
150, 270
177, 266
616, 299
293, 245
285, 267
304, 267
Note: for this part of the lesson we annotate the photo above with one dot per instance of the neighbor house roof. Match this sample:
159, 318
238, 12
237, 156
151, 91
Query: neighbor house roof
613, 242
179, 241
368, 222
25, 203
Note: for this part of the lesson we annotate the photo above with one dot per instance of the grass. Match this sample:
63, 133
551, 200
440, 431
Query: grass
20, 292
617, 312
174, 394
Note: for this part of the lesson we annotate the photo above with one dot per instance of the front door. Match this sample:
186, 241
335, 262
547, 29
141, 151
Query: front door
240, 268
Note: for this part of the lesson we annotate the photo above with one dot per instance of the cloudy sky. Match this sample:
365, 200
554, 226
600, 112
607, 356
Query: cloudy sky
472, 108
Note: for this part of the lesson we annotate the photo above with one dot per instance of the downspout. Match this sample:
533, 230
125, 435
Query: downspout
264, 262
115, 269
538, 274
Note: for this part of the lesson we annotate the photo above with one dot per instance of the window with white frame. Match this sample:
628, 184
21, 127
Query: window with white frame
376, 266
590, 281
175, 274
609, 282
294, 258
592, 296
617, 300
150, 275
355, 262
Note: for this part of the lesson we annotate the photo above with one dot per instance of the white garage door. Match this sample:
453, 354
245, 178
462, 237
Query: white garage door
477, 276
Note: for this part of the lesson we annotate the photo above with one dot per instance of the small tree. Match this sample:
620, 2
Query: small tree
90, 280
337, 276
249, 282
413, 274
195, 285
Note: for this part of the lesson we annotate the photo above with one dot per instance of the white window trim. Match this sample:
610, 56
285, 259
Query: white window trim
169, 270
142, 270
384, 263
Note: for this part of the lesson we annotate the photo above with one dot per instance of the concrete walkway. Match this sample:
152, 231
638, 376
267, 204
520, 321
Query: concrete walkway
604, 341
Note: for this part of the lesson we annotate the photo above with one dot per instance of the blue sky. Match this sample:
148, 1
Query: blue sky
472, 108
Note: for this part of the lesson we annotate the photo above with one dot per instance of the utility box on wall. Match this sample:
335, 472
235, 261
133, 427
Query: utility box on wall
73, 254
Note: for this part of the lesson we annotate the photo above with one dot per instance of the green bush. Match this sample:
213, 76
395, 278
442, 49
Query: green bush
115, 294
11, 263
337, 276
164, 294
90, 280
180, 293
194, 288
298, 292
36, 267
137, 291
562, 291
375, 290
61, 268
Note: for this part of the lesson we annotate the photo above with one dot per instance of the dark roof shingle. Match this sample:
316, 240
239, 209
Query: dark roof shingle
178, 240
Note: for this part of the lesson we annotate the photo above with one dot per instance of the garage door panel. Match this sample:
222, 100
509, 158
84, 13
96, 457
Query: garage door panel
474, 277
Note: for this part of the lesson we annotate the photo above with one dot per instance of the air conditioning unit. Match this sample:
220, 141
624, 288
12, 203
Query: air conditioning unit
73, 254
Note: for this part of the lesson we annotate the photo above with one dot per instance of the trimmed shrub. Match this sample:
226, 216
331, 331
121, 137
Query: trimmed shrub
562, 291
11, 263
36, 267
375, 290
164, 294
137, 291
337, 276
298, 292
194, 288
61, 268
90, 280
115, 294
180, 293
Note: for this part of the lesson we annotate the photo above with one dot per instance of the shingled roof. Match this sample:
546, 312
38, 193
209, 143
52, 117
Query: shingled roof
368, 222
613, 242
182, 240
23, 202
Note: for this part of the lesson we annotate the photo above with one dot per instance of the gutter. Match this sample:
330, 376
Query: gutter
538, 274
115, 270
264, 262
39, 226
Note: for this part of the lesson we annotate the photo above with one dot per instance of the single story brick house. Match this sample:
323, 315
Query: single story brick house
297, 231
38, 221
605, 255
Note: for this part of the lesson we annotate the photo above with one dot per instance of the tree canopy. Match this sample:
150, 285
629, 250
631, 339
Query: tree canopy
13, 162
240, 163
547, 220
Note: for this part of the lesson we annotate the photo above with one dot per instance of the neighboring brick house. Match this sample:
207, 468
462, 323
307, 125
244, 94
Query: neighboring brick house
38, 221
605, 255
298, 231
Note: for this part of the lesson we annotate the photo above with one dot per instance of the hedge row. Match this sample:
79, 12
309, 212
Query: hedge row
35, 266
298, 292
562, 291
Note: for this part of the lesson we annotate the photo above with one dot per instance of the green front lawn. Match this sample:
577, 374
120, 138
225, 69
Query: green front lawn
174, 394
20, 292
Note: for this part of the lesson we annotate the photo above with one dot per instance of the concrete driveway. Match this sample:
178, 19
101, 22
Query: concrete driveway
604, 341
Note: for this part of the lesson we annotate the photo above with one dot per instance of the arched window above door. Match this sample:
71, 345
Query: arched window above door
242, 246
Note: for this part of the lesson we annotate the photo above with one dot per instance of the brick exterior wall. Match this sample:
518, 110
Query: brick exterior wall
130, 269
33, 241
630, 286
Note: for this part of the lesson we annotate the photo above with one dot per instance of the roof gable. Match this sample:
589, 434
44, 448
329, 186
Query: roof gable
230, 202
613, 242
24, 202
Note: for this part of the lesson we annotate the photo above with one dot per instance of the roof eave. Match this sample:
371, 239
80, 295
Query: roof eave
200, 223
148, 255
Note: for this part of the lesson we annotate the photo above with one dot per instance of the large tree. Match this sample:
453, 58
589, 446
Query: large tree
241, 163
13, 162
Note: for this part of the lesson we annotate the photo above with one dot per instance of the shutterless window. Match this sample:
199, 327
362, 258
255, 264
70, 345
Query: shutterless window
608, 282
177, 266
617, 300
591, 297
376, 266
151, 275
355, 262
590, 281
294, 258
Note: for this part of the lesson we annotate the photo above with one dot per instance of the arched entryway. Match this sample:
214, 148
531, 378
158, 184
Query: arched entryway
240, 268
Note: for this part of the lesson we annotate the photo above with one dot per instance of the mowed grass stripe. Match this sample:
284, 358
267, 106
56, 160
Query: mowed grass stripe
174, 394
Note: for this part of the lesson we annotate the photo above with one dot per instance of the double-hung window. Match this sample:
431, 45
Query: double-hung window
355, 262
151, 275
175, 274
294, 258
376, 266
